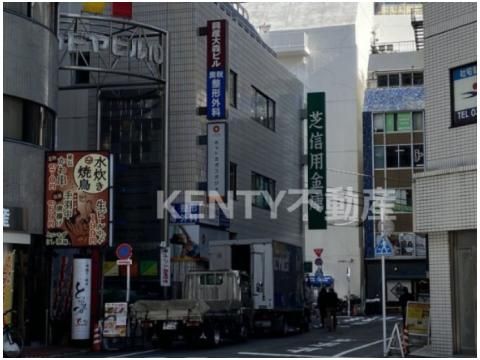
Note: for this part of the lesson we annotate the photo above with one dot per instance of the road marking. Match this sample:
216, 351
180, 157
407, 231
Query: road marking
358, 348
135, 353
275, 355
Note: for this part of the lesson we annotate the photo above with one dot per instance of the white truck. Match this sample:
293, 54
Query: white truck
251, 285
275, 273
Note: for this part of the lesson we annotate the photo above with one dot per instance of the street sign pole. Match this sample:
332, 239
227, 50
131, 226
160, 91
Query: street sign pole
384, 300
348, 291
128, 284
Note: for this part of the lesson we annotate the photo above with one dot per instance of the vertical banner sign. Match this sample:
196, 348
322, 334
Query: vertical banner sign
8, 273
317, 161
81, 294
217, 69
217, 159
77, 198
165, 266
464, 94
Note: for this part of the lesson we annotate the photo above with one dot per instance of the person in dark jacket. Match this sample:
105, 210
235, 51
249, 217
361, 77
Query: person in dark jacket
332, 302
322, 305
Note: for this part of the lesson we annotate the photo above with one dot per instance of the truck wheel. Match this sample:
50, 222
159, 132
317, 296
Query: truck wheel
215, 336
165, 341
243, 333
284, 331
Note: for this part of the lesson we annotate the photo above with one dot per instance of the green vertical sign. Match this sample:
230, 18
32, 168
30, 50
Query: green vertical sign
317, 161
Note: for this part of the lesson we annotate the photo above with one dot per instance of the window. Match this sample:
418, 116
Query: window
211, 279
233, 179
417, 78
83, 59
382, 80
392, 156
131, 124
262, 183
27, 121
407, 79
42, 13
405, 155
379, 122
232, 89
379, 157
398, 155
418, 155
263, 109
393, 80
403, 200
398, 122
417, 118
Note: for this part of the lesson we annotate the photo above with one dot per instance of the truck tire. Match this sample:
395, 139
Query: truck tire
165, 341
243, 333
214, 336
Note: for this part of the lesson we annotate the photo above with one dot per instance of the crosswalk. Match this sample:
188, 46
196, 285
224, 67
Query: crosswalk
346, 322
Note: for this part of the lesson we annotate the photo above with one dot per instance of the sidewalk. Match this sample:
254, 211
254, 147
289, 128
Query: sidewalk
52, 351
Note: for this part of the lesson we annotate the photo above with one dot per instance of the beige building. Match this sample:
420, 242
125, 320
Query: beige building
445, 194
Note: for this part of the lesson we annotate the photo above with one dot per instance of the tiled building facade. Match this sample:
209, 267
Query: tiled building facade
445, 194
274, 152
393, 134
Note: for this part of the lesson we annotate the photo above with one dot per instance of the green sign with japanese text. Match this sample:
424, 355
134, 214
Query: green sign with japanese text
317, 161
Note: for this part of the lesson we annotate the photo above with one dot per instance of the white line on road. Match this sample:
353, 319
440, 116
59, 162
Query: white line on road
358, 348
274, 355
135, 353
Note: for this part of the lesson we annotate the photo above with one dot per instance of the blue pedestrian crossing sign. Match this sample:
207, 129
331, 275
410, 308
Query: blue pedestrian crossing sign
383, 247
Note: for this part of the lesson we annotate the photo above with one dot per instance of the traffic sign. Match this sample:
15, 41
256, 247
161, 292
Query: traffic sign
384, 247
124, 262
318, 261
124, 251
318, 252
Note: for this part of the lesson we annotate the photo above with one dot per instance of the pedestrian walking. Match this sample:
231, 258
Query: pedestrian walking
332, 303
403, 300
322, 305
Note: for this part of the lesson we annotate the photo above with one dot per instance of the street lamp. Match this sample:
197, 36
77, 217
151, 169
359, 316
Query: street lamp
349, 270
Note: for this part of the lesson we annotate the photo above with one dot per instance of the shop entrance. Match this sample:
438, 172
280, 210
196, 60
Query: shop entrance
465, 291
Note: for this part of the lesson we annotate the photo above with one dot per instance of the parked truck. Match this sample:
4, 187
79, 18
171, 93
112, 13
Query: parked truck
275, 273
251, 285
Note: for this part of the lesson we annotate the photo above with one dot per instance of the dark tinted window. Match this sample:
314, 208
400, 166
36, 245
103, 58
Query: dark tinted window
27, 121
382, 80
392, 156
393, 80
418, 78
406, 79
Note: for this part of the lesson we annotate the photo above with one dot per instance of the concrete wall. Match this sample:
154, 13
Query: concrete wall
30, 62
338, 42
29, 72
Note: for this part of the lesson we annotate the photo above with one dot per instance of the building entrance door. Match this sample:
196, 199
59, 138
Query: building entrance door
465, 290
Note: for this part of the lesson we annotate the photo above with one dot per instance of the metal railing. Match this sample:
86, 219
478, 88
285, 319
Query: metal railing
393, 47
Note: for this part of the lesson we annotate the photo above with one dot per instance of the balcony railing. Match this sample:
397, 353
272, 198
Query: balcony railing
394, 47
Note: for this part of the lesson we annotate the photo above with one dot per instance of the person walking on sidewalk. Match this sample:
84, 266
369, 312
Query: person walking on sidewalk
332, 303
322, 305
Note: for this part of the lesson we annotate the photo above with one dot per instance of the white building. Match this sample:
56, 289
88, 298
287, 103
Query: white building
326, 45
445, 194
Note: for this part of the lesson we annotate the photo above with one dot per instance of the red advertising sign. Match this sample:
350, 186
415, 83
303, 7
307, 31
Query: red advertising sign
216, 44
122, 9
77, 198
318, 252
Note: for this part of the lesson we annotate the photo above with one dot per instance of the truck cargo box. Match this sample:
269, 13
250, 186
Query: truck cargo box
275, 269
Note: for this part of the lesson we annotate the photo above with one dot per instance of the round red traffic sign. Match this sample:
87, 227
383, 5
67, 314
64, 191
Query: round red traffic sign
124, 251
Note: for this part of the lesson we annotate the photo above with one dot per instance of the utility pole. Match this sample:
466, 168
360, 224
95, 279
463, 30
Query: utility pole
384, 301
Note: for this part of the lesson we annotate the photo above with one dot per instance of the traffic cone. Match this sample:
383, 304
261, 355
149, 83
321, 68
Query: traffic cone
97, 339
405, 340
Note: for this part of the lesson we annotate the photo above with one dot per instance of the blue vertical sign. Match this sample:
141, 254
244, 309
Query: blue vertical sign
217, 69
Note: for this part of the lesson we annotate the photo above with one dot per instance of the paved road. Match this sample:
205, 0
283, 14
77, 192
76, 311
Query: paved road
355, 337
